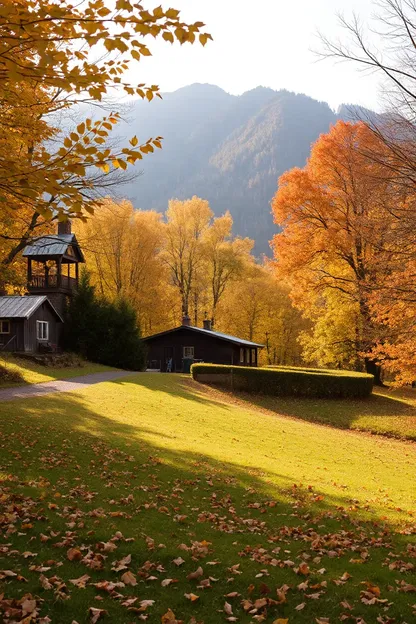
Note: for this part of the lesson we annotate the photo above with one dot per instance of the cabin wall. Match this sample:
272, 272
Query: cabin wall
207, 348
43, 313
17, 333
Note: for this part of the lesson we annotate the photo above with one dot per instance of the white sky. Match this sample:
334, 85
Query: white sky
267, 43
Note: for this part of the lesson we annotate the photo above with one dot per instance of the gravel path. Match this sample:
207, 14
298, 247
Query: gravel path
62, 385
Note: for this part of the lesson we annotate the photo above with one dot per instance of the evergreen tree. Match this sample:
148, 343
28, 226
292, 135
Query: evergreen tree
101, 331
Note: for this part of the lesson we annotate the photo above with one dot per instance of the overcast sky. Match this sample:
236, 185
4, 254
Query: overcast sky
265, 42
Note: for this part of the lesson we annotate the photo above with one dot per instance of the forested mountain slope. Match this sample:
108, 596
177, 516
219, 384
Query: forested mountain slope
228, 149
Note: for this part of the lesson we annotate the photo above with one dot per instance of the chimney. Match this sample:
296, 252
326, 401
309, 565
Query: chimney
186, 321
208, 324
64, 227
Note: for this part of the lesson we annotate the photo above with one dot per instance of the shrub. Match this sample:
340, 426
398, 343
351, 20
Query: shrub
286, 381
9, 376
102, 331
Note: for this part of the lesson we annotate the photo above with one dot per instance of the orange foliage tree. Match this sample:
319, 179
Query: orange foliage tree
336, 236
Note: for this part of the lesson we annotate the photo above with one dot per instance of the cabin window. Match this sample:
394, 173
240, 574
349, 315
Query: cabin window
4, 327
188, 352
241, 356
42, 330
247, 356
253, 356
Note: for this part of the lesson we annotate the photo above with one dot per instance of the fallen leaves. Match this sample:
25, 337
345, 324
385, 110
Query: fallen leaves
250, 545
195, 575
128, 578
96, 614
80, 582
74, 554
191, 597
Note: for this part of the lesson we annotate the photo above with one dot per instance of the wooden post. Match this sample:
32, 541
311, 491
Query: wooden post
59, 269
76, 272
29, 271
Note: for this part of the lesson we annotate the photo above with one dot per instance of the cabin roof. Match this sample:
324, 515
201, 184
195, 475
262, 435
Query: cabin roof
212, 333
22, 307
52, 245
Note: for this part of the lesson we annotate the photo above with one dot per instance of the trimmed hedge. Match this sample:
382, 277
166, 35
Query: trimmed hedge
286, 381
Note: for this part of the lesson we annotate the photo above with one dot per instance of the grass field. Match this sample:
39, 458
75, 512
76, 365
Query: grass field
387, 411
153, 493
37, 373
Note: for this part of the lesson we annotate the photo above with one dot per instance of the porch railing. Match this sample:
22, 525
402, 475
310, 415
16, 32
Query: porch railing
52, 281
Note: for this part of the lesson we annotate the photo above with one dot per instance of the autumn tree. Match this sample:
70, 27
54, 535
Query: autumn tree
335, 219
394, 60
257, 307
225, 258
123, 249
54, 55
186, 223
202, 256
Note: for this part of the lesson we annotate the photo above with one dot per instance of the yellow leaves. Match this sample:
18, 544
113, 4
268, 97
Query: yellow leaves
281, 621
134, 141
103, 166
172, 14
181, 34
158, 12
167, 36
124, 5
45, 55
203, 38
118, 163
103, 12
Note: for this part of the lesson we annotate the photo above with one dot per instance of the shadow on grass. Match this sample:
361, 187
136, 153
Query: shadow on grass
393, 416
53, 420
62, 439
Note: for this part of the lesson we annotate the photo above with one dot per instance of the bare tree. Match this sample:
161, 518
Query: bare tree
395, 27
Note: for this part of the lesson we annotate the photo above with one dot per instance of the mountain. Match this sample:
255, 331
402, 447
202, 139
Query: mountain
228, 149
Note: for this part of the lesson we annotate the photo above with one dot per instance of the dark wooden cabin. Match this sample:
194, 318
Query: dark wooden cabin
175, 349
29, 324
33, 322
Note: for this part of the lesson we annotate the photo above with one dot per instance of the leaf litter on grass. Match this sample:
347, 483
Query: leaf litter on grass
95, 532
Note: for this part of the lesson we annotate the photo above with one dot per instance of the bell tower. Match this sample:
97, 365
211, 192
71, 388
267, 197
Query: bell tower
53, 265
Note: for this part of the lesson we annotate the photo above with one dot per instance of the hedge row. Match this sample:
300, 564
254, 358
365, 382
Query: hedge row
285, 382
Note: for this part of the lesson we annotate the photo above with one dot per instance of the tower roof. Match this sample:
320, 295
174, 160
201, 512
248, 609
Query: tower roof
54, 245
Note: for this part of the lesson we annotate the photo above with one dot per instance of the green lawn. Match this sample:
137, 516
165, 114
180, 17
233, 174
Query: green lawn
154, 488
37, 373
387, 411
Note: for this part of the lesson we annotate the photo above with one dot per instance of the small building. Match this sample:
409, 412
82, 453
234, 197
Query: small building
173, 350
29, 324
53, 265
34, 322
